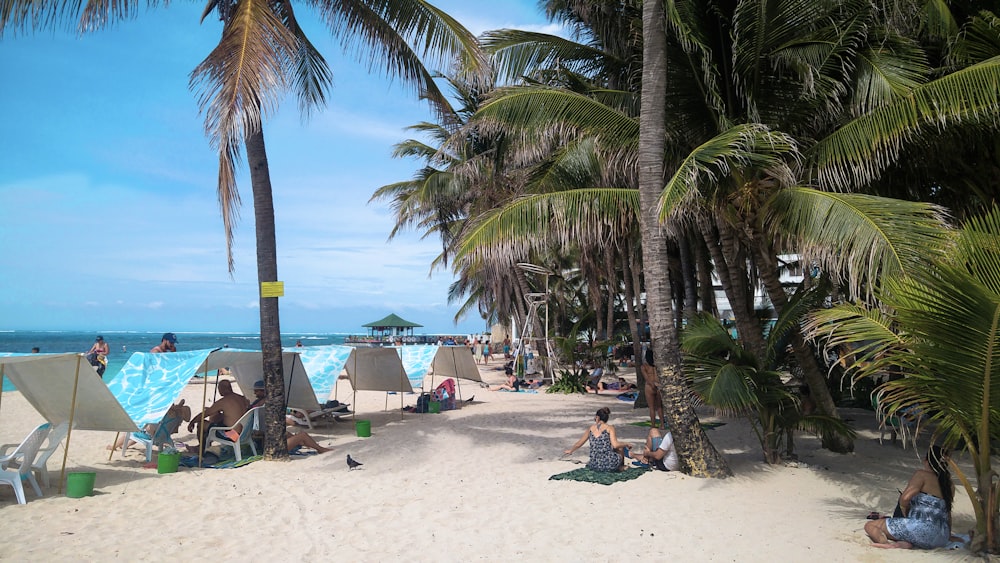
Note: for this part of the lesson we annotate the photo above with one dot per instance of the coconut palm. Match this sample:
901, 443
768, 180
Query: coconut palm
937, 327
262, 54
739, 382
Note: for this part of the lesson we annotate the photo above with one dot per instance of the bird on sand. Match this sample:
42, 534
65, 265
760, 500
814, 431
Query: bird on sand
351, 464
470, 399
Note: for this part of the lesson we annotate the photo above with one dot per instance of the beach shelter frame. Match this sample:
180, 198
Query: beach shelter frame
377, 369
43, 378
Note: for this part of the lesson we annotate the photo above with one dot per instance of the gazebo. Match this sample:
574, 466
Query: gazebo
392, 326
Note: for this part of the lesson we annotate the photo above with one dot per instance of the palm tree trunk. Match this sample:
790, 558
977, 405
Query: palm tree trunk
697, 455
275, 443
730, 266
638, 329
804, 354
611, 275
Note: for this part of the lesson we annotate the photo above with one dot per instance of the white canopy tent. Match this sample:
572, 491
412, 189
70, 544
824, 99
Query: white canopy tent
378, 369
65, 388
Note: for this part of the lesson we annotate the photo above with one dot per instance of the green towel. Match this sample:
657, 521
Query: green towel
588, 475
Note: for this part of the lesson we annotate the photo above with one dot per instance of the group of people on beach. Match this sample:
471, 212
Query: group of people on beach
225, 412
607, 453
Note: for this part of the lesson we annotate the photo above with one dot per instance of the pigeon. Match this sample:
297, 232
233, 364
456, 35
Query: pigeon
469, 400
351, 464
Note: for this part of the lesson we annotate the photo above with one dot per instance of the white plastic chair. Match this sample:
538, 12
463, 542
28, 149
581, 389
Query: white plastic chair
55, 437
24, 455
246, 423
40, 465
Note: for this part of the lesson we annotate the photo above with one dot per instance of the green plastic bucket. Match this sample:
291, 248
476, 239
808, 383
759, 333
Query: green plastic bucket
363, 428
168, 463
434, 406
80, 485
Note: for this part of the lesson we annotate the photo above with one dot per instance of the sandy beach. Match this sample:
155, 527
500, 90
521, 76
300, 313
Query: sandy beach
465, 485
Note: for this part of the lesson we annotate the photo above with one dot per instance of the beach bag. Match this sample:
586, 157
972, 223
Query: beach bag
423, 402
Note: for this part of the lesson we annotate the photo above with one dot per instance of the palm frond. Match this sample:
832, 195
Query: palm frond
552, 220
858, 152
743, 146
517, 53
313, 76
240, 81
859, 238
978, 41
540, 107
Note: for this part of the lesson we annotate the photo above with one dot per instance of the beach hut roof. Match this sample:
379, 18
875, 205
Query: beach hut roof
392, 320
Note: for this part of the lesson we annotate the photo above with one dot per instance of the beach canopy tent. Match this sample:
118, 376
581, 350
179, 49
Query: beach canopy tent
377, 369
149, 383
49, 382
65, 388
391, 325
443, 361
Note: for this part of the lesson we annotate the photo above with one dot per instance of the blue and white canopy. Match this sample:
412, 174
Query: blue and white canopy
149, 383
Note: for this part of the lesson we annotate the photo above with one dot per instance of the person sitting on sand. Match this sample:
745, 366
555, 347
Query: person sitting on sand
660, 451
224, 412
512, 383
292, 440
926, 508
606, 452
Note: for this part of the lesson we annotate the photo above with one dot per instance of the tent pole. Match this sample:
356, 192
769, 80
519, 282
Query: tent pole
69, 431
402, 376
124, 445
201, 423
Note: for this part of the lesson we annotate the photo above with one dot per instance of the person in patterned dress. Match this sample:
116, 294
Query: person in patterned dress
926, 508
606, 452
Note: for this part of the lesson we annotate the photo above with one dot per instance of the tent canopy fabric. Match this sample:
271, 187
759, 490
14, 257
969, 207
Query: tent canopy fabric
323, 365
377, 369
47, 382
455, 361
391, 321
149, 383
443, 361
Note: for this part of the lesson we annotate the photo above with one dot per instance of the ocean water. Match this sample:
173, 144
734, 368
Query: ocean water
124, 343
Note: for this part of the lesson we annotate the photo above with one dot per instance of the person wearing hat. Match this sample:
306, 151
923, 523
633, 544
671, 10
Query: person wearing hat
98, 355
167, 344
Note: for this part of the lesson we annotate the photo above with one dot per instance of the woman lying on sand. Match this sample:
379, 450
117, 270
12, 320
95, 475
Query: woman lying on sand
606, 452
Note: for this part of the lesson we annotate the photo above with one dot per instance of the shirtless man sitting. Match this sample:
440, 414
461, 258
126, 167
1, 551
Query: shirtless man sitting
224, 412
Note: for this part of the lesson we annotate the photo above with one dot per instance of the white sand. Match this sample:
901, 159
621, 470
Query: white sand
470, 484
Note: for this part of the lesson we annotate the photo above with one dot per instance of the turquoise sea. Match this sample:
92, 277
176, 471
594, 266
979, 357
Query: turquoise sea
124, 343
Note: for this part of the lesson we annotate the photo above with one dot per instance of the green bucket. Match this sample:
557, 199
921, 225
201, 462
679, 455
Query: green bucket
168, 463
434, 406
363, 428
80, 485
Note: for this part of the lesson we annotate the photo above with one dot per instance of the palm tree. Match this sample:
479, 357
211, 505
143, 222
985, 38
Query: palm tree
936, 325
261, 55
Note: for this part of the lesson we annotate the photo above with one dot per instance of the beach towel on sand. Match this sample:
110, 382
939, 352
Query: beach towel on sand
588, 475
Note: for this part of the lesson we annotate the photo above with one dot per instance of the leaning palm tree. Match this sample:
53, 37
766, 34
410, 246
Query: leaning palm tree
262, 54
937, 327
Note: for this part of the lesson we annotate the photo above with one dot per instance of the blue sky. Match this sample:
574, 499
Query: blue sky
108, 211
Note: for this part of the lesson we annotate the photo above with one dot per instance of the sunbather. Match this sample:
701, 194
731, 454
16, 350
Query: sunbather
224, 412
606, 452
292, 440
